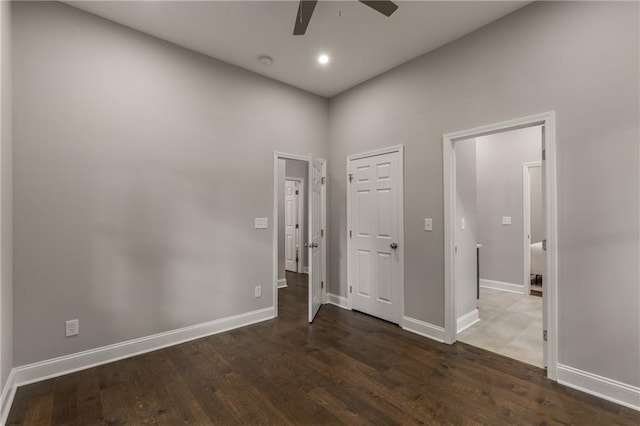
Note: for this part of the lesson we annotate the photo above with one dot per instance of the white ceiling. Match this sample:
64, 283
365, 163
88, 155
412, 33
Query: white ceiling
361, 42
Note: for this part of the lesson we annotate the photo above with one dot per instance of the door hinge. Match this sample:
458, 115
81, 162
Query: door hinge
349, 233
350, 289
455, 249
544, 335
297, 226
322, 180
321, 284
544, 154
350, 177
322, 232
544, 244
297, 192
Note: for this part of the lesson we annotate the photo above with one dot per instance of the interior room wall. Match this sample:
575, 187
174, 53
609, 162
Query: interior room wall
6, 280
535, 204
137, 179
499, 183
526, 63
466, 239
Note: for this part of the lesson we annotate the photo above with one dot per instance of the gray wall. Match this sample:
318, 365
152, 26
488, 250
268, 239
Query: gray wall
139, 168
499, 166
546, 56
6, 296
291, 169
535, 204
466, 239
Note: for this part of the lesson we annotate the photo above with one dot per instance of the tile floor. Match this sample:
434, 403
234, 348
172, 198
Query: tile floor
510, 324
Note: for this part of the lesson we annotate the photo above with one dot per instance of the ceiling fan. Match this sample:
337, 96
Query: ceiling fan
306, 7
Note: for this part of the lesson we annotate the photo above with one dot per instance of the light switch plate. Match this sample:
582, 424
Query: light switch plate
428, 224
506, 220
261, 223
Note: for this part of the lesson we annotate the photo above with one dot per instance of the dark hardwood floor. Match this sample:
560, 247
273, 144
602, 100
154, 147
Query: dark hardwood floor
344, 368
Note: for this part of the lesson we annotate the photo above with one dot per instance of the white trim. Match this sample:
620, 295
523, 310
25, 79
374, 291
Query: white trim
6, 397
502, 286
55, 367
422, 328
337, 300
602, 387
526, 221
305, 270
375, 152
400, 150
467, 320
282, 283
277, 155
547, 120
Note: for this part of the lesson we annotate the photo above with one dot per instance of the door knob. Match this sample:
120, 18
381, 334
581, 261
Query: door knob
314, 245
394, 246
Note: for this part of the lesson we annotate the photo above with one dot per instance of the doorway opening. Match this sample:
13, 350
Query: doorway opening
492, 218
299, 229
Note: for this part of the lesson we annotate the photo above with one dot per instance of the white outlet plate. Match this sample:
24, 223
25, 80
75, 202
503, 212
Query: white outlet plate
506, 220
261, 223
258, 291
72, 328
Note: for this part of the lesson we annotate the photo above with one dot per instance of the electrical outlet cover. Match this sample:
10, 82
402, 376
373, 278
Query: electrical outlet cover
72, 328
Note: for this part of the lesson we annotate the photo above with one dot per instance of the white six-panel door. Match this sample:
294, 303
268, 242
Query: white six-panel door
375, 246
315, 238
291, 226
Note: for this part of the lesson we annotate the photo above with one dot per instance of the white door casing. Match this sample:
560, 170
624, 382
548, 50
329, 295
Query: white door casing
291, 226
526, 219
545, 278
375, 266
316, 234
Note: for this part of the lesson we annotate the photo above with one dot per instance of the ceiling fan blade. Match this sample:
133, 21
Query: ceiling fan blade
386, 7
305, 10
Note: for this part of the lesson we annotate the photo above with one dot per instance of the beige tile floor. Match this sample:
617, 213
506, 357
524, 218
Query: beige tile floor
510, 324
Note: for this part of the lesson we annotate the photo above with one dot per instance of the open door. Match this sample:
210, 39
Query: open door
315, 238
545, 276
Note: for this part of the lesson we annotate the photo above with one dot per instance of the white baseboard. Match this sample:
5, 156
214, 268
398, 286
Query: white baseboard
609, 389
305, 269
282, 283
467, 320
499, 285
339, 301
6, 397
55, 367
422, 328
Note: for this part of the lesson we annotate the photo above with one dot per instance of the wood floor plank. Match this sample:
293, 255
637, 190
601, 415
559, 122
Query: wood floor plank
345, 368
88, 398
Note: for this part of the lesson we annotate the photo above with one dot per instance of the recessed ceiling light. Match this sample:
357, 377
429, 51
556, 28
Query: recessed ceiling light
323, 59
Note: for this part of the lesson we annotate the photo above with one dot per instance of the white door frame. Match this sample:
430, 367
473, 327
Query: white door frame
300, 218
526, 220
389, 150
277, 155
547, 120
